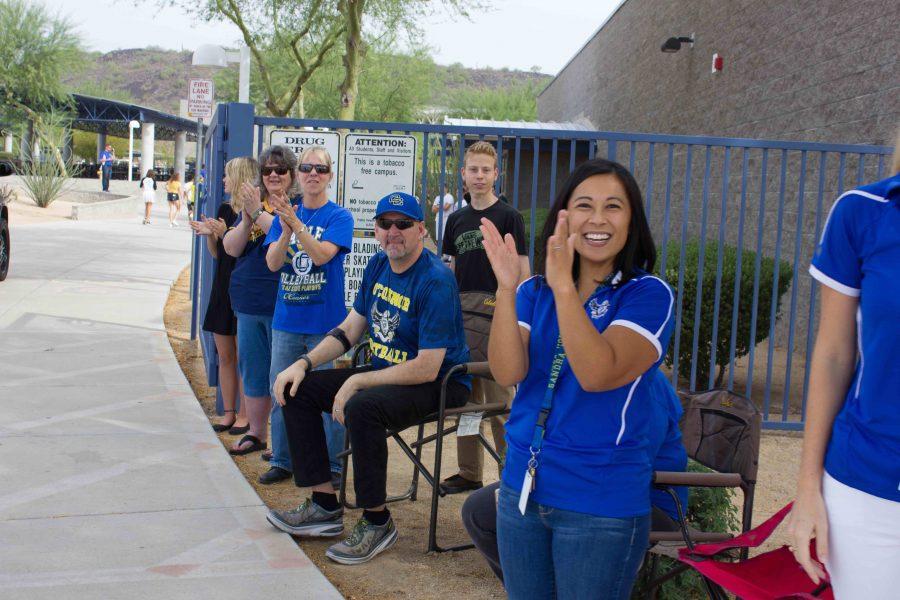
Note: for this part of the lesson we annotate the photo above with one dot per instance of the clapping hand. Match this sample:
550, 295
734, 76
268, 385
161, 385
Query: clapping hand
251, 197
502, 254
286, 212
560, 255
207, 226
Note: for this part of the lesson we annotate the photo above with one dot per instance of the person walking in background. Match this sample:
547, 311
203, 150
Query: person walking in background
148, 193
106, 162
254, 287
848, 490
188, 192
441, 208
173, 196
583, 341
463, 243
307, 245
219, 319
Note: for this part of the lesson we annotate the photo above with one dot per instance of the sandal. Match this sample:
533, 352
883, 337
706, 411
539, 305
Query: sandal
220, 427
235, 430
255, 445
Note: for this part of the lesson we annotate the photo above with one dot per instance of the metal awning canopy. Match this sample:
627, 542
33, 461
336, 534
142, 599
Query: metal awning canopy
112, 117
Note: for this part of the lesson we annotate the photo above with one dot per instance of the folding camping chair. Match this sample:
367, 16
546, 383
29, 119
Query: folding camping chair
773, 575
720, 430
477, 311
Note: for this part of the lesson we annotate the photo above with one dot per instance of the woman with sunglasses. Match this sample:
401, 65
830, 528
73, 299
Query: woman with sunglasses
583, 341
307, 244
253, 286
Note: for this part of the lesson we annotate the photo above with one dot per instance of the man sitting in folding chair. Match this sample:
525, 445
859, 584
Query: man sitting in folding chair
409, 302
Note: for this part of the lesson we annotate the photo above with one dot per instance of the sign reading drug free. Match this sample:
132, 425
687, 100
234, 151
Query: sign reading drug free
299, 140
375, 166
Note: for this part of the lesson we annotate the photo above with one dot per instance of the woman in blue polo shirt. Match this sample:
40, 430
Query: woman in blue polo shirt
582, 341
848, 494
307, 245
253, 286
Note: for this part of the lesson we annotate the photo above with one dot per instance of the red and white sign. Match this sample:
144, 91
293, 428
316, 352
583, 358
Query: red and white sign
200, 98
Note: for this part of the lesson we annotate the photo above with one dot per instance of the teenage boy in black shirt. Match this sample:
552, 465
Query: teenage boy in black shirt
468, 260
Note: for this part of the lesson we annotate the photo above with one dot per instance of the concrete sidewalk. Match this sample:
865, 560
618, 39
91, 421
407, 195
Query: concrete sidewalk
112, 483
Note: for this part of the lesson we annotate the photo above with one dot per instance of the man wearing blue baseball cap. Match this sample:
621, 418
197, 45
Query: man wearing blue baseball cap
409, 303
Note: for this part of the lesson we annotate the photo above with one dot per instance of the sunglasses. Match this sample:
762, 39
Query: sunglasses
320, 169
402, 224
266, 171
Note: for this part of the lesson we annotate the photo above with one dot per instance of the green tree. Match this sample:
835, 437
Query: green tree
513, 103
284, 37
36, 49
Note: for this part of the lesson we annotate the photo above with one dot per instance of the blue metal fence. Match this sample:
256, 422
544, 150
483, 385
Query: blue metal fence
734, 197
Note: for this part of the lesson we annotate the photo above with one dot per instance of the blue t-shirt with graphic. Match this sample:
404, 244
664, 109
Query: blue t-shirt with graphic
311, 298
417, 309
595, 457
253, 286
859, 256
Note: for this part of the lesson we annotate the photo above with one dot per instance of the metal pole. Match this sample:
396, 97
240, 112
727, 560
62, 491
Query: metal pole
244, 76
198, 194
130, 149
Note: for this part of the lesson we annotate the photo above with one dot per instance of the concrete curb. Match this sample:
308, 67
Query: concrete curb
126, 206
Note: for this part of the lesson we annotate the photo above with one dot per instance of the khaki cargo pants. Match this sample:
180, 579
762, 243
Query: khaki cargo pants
469, 451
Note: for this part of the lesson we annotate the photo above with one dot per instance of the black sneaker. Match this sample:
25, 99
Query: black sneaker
274, 475
308, 519
457, 484
364, 543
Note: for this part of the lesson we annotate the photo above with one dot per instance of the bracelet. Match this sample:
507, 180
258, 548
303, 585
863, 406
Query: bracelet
257, 213
338, 334
308, 360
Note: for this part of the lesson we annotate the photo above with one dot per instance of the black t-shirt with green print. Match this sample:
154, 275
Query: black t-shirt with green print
462, 240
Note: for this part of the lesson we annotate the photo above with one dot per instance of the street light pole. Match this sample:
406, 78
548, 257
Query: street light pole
132, 125
215, 56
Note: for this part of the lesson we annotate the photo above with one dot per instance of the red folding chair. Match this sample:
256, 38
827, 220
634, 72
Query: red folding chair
774, 575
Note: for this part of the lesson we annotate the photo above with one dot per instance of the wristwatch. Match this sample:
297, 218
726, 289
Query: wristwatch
256, 213
308, 361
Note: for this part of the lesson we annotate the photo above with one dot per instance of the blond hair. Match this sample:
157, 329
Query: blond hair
318, 149
240, 171
481, 147
895, 162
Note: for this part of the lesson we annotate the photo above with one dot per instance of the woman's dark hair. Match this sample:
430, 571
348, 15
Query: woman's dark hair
283, 157
151, 174
639, 251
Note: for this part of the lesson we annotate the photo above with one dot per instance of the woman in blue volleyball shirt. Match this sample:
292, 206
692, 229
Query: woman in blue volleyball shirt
848, 494
307, 245
582, 342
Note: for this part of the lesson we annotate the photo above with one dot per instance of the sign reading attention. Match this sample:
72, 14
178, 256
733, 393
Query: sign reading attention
374, 166
201, 93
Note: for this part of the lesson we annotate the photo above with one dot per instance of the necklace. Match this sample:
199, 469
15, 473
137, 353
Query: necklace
308, 221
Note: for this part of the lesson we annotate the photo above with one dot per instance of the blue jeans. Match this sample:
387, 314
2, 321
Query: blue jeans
287, 348
553, 553
105, 173
254, 342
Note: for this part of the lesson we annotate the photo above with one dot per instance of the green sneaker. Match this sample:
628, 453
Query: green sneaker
308, 519
364, 543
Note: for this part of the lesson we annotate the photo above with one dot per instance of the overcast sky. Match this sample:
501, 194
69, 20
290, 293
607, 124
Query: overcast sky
517, 34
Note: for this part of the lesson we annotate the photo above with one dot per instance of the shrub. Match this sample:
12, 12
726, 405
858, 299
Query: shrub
44, 180
709, 509
541, 215
726, 304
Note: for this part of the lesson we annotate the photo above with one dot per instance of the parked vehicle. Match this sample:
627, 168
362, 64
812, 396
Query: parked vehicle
5, 195
9, 164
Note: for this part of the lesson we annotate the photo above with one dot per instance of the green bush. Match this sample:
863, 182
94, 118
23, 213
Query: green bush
541, 214
709, 509
726, 304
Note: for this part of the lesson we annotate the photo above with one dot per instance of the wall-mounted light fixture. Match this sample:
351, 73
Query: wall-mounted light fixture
673, 44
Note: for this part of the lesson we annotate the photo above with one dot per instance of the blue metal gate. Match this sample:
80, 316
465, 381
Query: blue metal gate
735, 221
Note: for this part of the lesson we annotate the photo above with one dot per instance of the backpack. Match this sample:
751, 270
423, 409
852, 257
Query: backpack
477, 313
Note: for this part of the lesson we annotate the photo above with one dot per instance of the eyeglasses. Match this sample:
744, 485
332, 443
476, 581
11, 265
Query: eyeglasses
266, 171
402, 224
320, 169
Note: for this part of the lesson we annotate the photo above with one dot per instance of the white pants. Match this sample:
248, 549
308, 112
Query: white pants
863, 543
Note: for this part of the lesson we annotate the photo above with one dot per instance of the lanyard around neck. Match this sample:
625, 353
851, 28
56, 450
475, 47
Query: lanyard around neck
540, 427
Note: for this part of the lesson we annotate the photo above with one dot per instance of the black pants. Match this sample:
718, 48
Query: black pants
479, 516
367, 415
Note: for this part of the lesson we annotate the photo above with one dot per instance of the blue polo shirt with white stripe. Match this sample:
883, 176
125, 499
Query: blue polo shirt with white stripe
594, 457
859, 256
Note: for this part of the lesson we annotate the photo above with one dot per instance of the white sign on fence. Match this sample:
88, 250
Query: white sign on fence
375, 166
201, 93
299, 140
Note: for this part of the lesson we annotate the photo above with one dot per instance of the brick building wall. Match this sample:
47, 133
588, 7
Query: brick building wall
811, 70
